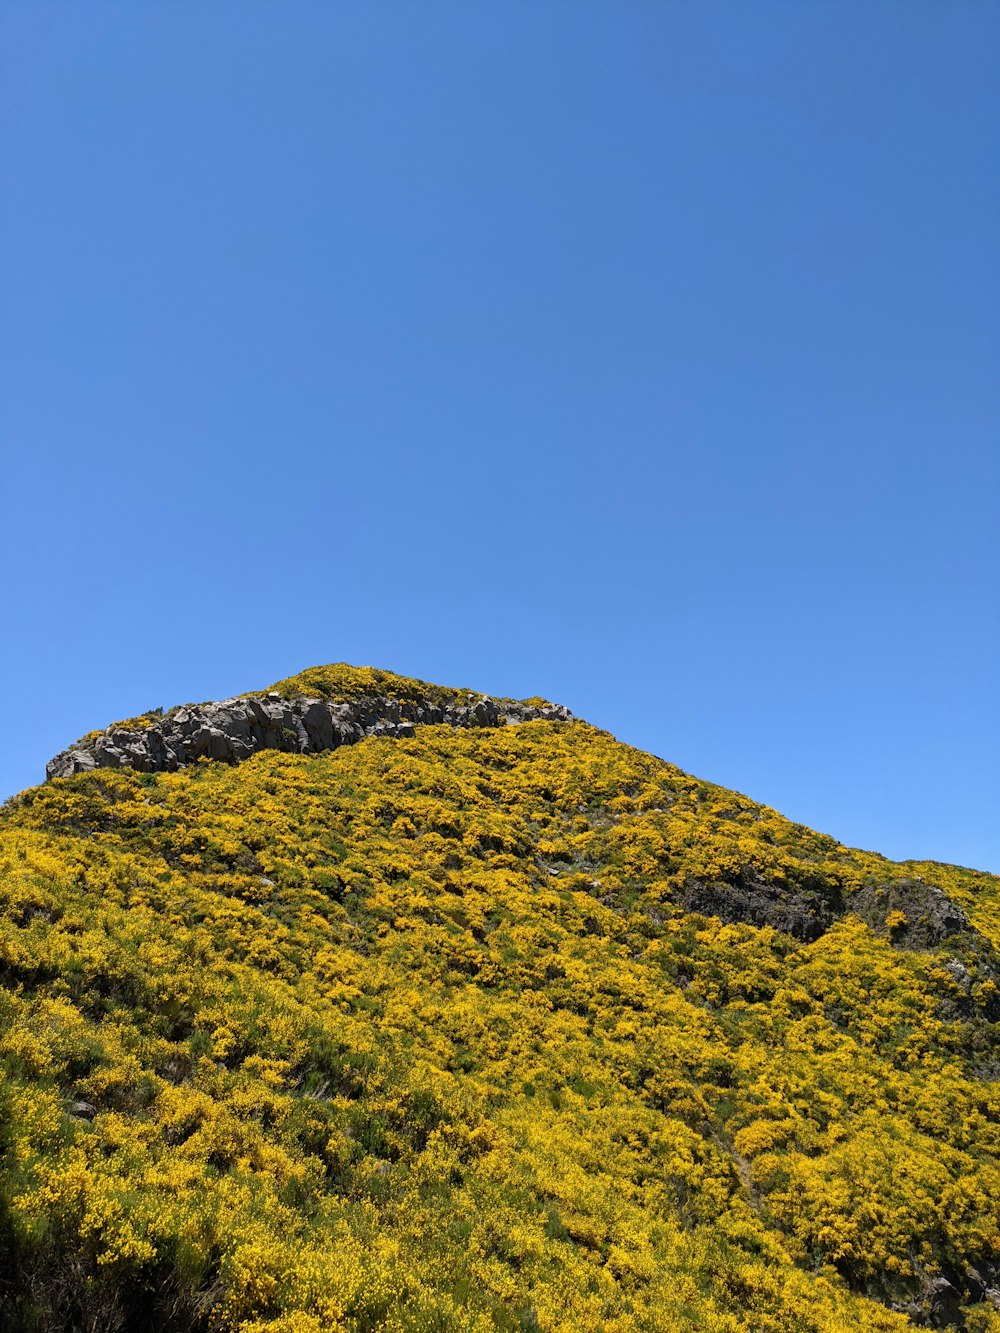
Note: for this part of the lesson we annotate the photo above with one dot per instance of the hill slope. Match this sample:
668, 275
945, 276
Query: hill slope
485, 1026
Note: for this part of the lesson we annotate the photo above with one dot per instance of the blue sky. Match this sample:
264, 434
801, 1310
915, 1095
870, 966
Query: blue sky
641, 355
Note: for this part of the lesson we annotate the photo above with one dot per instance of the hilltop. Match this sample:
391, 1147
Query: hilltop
401, 1008
318, 710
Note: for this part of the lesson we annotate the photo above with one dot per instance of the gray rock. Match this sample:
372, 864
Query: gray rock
805, 912
68, 763
484, 713
220, 745
929, 914
959, 973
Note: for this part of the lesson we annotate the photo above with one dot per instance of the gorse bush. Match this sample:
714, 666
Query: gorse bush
423, 1034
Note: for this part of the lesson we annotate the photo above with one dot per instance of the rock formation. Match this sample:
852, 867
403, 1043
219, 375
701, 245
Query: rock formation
234, 729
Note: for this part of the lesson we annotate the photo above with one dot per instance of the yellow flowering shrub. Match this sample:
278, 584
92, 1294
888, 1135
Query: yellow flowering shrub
425, 1034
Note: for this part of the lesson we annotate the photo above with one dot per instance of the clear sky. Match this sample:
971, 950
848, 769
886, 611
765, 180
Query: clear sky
640, 355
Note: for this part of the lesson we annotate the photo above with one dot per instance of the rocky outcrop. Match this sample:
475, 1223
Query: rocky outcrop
937, 1300
234, 729
805, 911
923, 915
912, 913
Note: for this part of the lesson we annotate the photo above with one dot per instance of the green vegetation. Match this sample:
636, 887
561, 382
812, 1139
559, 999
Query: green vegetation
419, 1035
340, 681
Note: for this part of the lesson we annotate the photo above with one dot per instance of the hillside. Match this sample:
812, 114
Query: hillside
477, 1019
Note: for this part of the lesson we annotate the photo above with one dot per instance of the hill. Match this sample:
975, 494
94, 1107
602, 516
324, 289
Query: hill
412, 1010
